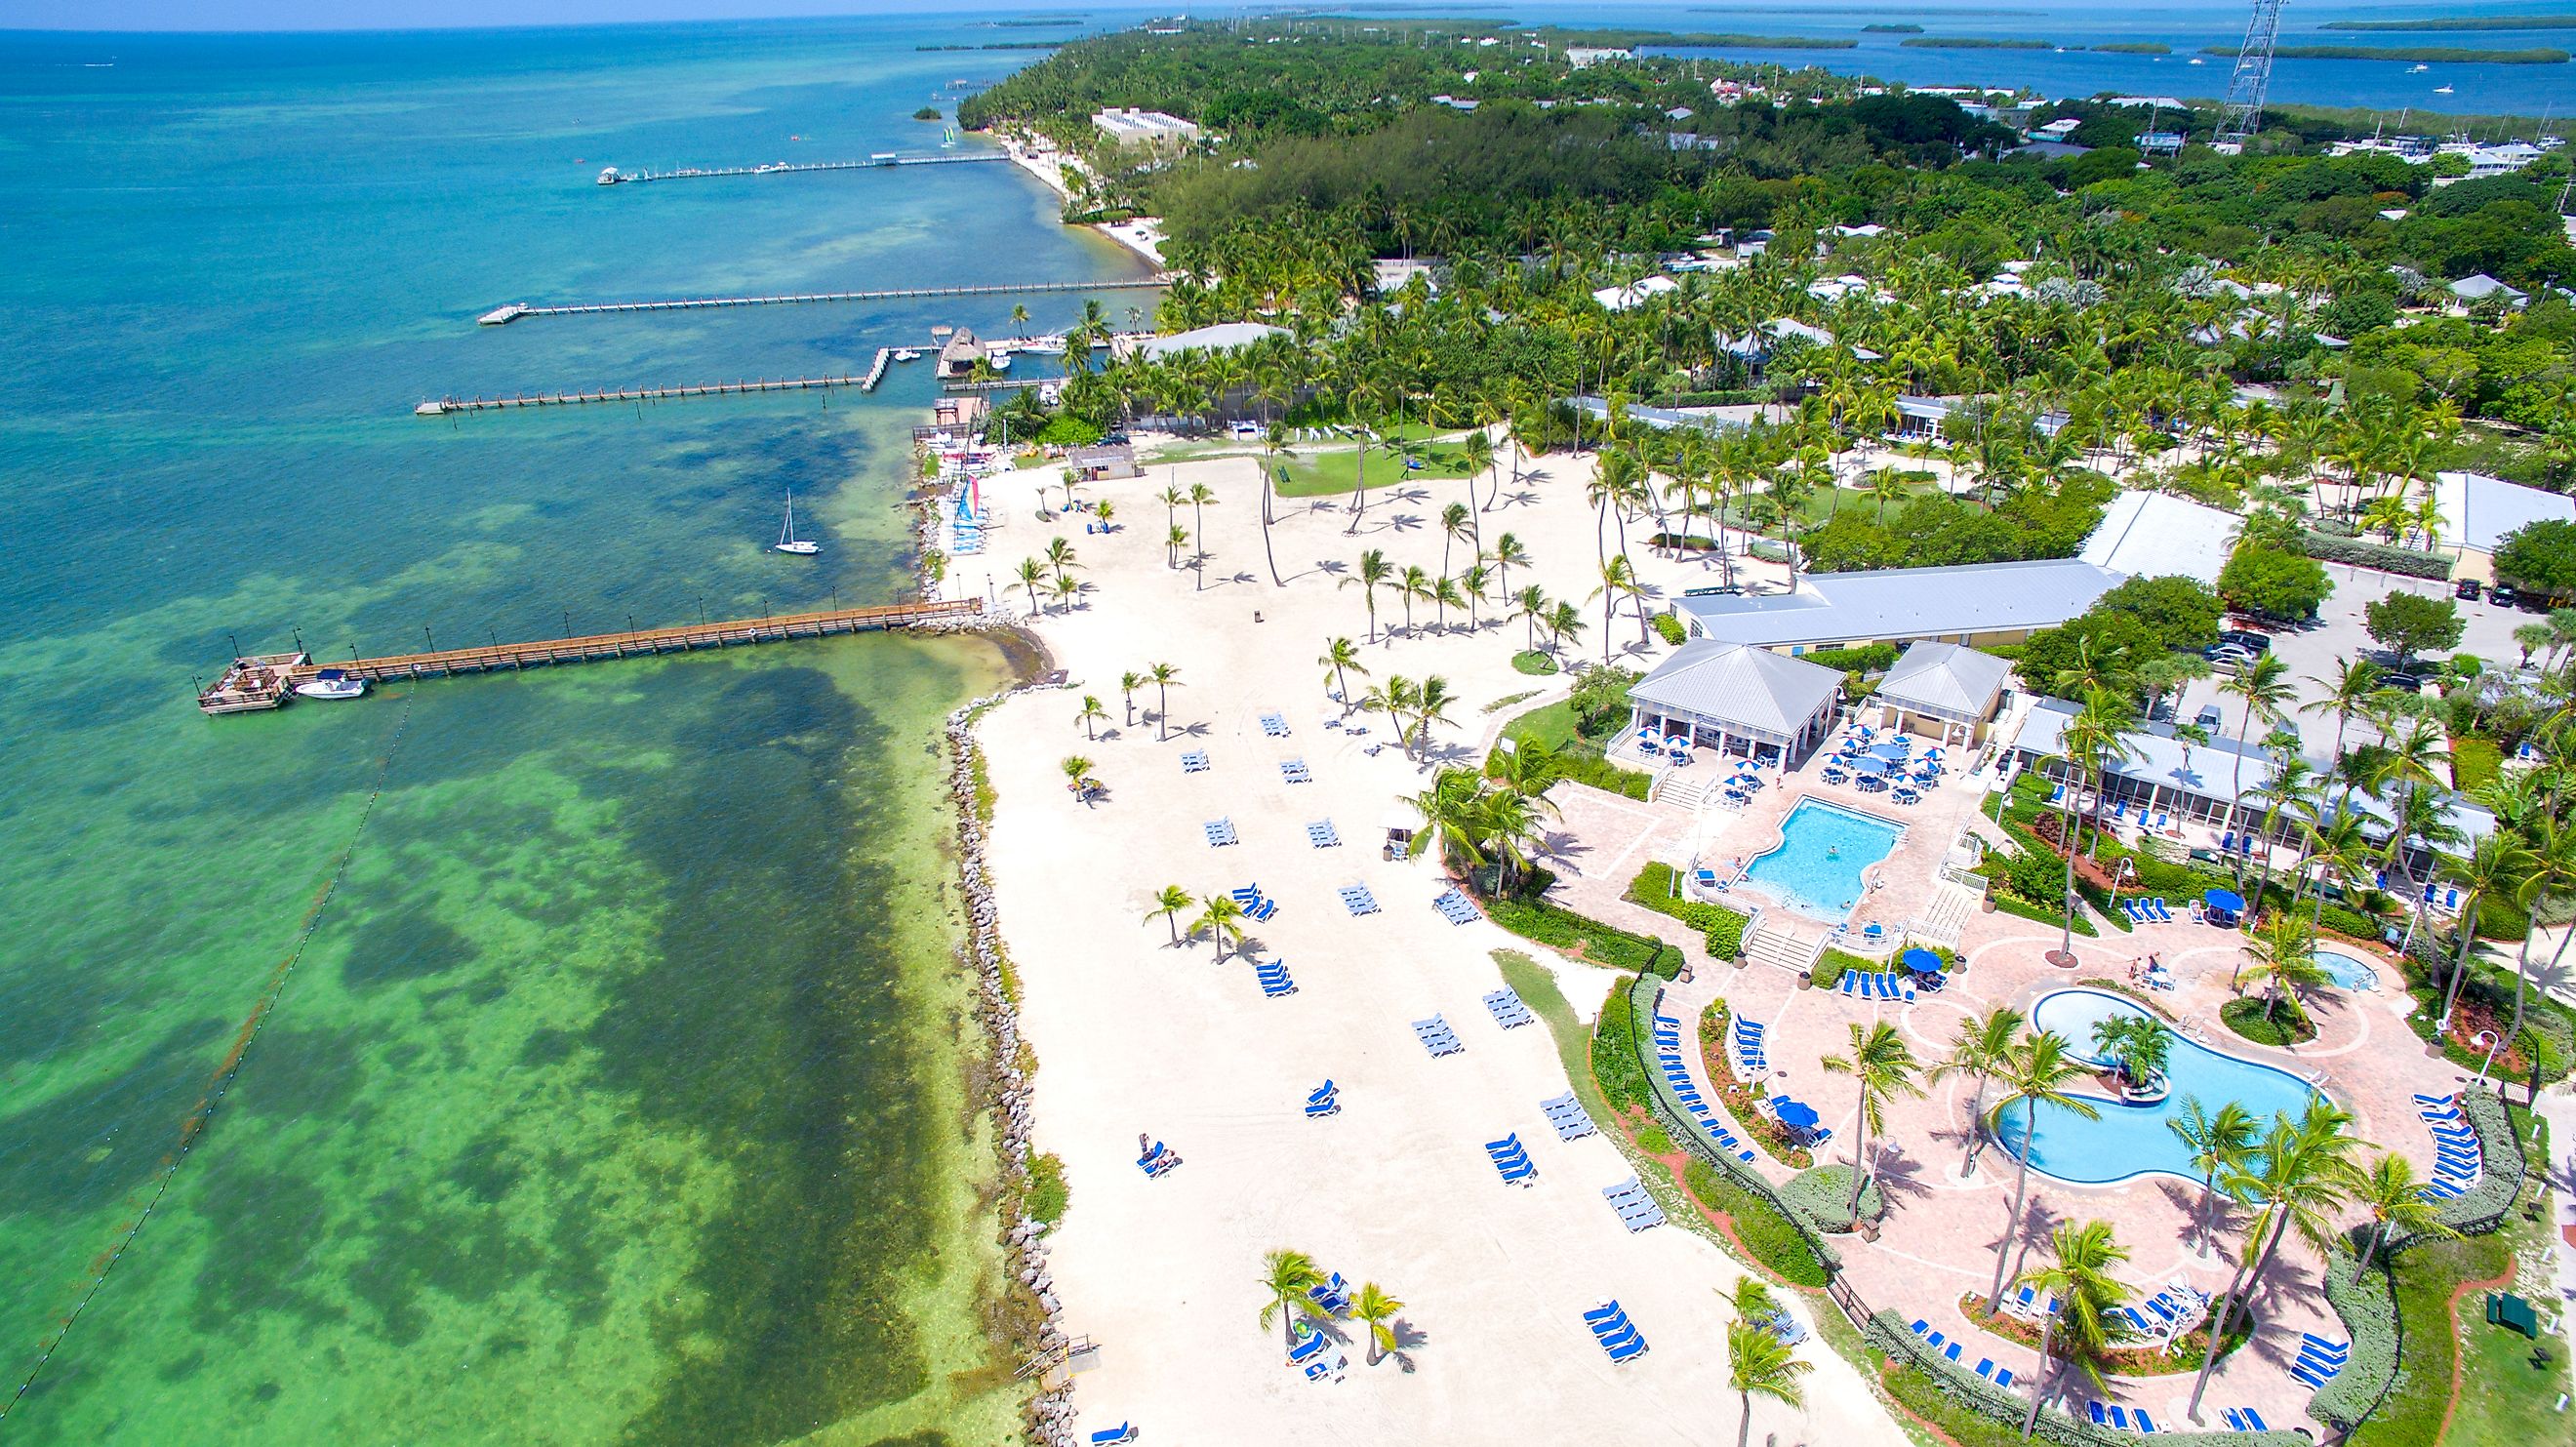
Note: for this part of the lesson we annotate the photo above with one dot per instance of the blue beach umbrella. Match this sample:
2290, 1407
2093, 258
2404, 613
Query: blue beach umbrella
1924, 962
2224, 901
1795, 1114
1890, 751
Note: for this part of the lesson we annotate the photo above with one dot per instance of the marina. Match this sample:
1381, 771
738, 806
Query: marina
615, 177
513, 311
256, 683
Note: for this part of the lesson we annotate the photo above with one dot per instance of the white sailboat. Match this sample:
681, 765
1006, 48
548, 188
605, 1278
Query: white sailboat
788, 542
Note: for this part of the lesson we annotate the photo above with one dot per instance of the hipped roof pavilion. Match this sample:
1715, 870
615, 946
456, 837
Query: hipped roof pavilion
1722, 694
1946, 681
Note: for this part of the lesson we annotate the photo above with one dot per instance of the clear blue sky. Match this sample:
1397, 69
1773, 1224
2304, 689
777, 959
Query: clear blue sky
411, 14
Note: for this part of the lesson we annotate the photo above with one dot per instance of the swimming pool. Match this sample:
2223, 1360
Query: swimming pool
1823, 849
2351, 972
2132, 1140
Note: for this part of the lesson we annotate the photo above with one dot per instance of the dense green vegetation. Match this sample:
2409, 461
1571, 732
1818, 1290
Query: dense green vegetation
1657, 888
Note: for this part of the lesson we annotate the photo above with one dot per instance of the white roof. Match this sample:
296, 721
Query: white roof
1620, 298
2479, 286
1897, 603
2157, 535
2478, 510
1946, 679
1756, 690
1223, 337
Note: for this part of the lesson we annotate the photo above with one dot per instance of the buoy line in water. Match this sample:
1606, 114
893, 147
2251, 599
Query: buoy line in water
194, 1124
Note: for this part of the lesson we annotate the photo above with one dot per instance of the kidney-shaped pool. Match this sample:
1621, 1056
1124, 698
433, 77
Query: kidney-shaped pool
2132, 1140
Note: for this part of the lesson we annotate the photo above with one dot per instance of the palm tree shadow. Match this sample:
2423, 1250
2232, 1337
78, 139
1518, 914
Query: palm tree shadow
1565, 847
1522, 498
2038, 1219
1403, 522
1900, 1174
1330, 567
1192, 730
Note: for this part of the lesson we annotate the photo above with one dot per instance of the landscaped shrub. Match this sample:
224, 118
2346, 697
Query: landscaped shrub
1602, 774
1615, 1065
2350, 923
1048, 1194
1824, 1193
1669, 628
2372, 555
1867, 658
1770, 1236
1653, 888
2245, 1017
2368, 1310
2501, 1161
1828, 970
1563, 929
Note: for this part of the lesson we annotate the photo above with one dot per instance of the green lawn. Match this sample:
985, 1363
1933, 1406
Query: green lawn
1321, 470
2474, 761
1552, 726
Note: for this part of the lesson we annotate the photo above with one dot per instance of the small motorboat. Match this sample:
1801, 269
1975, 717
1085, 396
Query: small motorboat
2441, 90
788, 542
2417, 69
1001, 361
906, 354
331, 683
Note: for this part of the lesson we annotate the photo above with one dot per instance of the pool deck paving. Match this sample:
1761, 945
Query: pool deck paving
1940, 1242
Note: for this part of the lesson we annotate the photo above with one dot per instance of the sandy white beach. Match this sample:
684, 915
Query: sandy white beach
1136, 1035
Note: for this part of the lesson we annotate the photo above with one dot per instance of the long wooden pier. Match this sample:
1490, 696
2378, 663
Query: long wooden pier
505, 314
268, 681
614, 177
448, 406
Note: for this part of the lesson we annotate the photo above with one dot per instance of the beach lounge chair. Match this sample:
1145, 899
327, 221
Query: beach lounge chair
2146, 1425
1508, 1011
1323, 1101
1436, 1036
2253, 1420
1626, 1347
1850, 979
1322, 834
1274, 980
1308, 1349
1194, 762
1919, 1327
2235, 1420
2099, 1419
2025, 1302
2003, 1377
1246, 895
1220, 832
1357, 899
1123, 1432
1951, 1351
1294, 771
1986, 1368
1935, 1340
1566, 1113
1275, 725
1456, 908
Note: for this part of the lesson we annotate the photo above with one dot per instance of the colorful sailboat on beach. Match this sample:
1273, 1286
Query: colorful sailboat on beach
788, 542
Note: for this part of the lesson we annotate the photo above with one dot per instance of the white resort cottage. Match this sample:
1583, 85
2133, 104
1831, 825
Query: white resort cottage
1738, 700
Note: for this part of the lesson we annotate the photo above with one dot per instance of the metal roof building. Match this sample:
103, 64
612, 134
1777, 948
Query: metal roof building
1223, 337
2158, 535
1738, 700
1972, 604
1943, 690
2479, 512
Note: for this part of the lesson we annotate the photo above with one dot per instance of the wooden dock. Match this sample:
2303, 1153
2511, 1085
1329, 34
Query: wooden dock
447, 406
510, 312
267, 681
785, 168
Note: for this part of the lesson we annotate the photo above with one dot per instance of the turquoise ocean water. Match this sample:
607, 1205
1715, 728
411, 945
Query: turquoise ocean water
617, 1095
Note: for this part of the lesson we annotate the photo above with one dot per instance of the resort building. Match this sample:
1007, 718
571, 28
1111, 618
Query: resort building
1133, 127
1738, 700
1976, 604
2178, 783
2159, 535
1580, 56
2469, 291
1107, 462
1665, 419
1625, 298
1223, 337
958, 356
2479, 512
1942, 691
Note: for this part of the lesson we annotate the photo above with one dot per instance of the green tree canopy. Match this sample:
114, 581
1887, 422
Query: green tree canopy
2410, 623
2540, 556
2273, 583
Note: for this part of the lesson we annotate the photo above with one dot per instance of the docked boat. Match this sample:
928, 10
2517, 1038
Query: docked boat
1001, 361
788, 542
906, 354
2441, 90
2196, 60
331, 683
2417, 69
609, 177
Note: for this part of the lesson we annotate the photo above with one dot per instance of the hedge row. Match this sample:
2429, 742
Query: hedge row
1563, 929
1887, 1332
1654, 888
2359, 554
2368, 1309
1867, 658
1600, 773
1824, 1193
1769, 1236
2480, 1210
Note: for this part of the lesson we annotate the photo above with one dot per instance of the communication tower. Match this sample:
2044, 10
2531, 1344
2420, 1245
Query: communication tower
2253, 78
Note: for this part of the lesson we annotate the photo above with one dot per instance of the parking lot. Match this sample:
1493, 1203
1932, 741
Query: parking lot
2312, 652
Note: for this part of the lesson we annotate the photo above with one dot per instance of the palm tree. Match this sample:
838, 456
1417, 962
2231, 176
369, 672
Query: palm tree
1456, 522
2264, 686
1373, 1308
1128, 683
1759, 1363
1618, 580
2217, 1141
2038, 1073
2496, 865
1287, 1277
1164, 677
1171, 498
1430, 706
1029, 574
1167, 908
2086, 1292
1983, 1044
1222, 918
1173, 541
1077, 776
1411, 584
2394, 1196
2284, 956
2345, 694
1342, 656
1200, 495
1373, 573
1090, 717
2094, 740
2302, 1175
1565, 622
1885, 1067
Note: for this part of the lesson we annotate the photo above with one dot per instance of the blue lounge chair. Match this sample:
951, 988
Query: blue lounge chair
1986, 1368
1274, 980
2003, 1376
1951, 1351
1605, 1317
1935, 1339
2310, 1342
1295, 772
2254, 1420
2437, 1099
1850, 978
1308, 1349
1628, 1350
1275, 725
1194, 762
2226, 845
1322, 834
1357, 899
1123, 1432
2146, 1425
2235, 1421
2099, 1419
2163, 915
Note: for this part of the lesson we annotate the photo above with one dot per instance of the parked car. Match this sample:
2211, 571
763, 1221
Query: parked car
2504, 597
2468, 589
2246, 638
2402, 681
2210, 718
